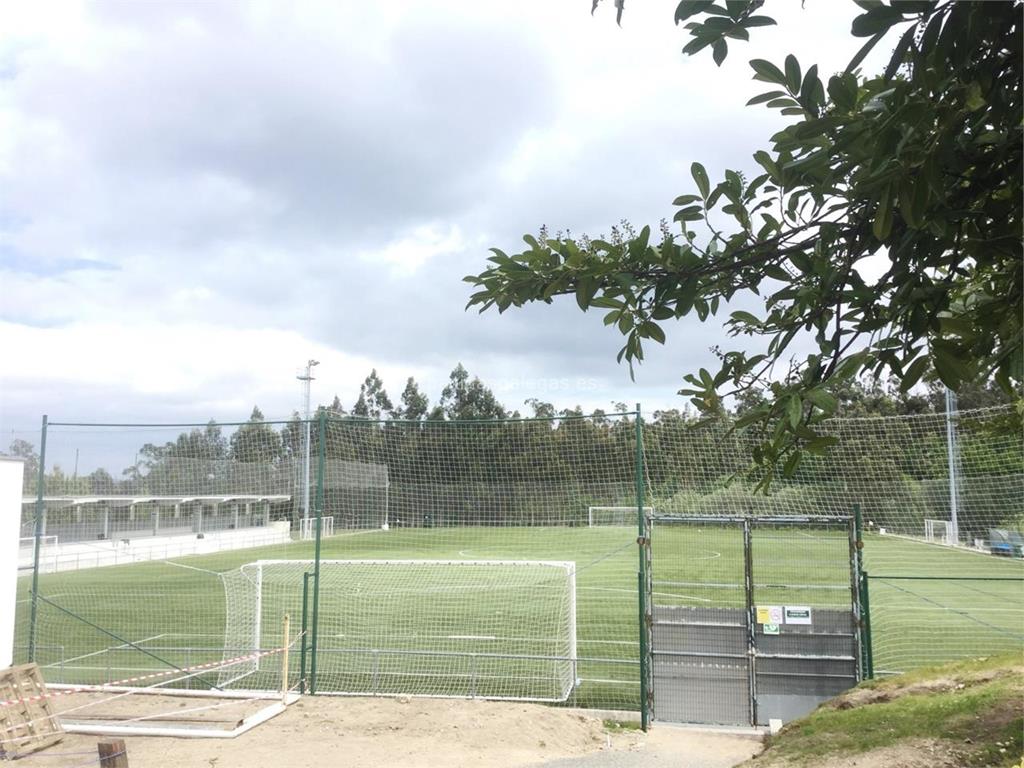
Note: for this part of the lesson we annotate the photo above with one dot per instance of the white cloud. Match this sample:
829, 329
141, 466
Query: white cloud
196, 198
410, 252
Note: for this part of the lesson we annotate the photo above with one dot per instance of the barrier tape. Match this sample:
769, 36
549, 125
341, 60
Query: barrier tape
101, 686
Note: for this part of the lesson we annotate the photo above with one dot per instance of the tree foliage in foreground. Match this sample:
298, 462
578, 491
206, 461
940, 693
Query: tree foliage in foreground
920, 163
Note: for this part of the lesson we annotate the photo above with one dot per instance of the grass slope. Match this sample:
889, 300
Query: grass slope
968, 713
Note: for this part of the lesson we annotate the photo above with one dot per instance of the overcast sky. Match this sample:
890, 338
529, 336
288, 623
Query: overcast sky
195, 198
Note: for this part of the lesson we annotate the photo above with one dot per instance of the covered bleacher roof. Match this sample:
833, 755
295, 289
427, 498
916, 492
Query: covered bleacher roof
128, 500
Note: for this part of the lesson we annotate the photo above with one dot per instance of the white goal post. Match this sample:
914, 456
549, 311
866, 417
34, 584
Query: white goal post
493, 629
938, 531
307, 527
598, 516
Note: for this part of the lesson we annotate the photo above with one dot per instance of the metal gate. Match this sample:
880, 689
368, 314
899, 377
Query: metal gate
752, 619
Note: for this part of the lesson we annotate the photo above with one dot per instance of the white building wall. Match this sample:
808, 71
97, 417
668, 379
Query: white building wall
11, 471
98, 554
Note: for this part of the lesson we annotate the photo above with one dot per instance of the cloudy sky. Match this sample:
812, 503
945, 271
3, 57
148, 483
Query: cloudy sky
195, 198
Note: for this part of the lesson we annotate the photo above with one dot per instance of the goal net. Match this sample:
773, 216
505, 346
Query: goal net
496, 629
938, 531
307, 527
614, 515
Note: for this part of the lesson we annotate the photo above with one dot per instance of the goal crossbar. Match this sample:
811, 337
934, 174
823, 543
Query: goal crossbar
614, 515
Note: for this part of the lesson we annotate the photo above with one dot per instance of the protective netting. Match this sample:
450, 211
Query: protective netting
900, 471
498, 629
130, 576
438, 491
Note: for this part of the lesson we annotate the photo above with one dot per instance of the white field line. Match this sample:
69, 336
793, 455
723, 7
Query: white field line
633, 592
120, 647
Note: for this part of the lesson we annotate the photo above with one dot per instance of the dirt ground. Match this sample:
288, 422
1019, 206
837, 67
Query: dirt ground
324, 732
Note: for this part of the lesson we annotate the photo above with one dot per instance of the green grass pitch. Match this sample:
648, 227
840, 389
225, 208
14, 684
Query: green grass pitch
176, 610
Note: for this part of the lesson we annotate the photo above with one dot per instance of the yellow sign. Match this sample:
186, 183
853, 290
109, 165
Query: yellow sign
769, 614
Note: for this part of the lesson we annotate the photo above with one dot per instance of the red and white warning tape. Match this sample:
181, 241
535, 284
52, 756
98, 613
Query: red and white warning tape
138, 678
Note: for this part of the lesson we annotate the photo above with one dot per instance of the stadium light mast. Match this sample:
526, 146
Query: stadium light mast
306, 378
953, 456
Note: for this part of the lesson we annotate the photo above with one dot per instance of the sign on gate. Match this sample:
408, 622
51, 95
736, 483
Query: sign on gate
751, 619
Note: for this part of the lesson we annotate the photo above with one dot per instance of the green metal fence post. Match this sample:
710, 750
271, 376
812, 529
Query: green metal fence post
321, 448
40, 511
644, 542
868, 651
856, 569
303, 644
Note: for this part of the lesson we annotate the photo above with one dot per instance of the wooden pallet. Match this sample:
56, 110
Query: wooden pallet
27, 722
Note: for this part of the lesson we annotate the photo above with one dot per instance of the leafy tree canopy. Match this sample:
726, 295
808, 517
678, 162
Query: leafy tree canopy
919, 165
373, 402
414, 403
469, 399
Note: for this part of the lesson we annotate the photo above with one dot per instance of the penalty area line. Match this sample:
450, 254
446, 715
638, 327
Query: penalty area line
120, 647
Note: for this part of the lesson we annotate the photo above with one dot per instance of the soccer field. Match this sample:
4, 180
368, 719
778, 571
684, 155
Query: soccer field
176, 610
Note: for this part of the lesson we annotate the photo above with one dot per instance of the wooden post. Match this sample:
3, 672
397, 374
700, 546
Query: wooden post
113, 754
284, 663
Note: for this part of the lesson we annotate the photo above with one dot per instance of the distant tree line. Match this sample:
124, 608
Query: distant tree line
549, 465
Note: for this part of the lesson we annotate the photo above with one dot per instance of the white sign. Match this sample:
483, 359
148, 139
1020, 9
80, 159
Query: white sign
798, 614
770, 629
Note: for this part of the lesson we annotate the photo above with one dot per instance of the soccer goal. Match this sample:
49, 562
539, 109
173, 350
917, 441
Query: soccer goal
307, 527
938, 531
614, 515
494, 629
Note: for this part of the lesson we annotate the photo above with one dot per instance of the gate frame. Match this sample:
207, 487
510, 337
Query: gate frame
747, 523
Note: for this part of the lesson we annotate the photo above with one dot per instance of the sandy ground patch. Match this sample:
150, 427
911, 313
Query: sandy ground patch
325, 732
340, 731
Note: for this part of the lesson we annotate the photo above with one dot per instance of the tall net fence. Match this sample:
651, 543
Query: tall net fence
465, 531
941, 499
143, 548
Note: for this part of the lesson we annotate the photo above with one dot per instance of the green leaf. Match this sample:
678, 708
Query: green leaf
690, 213
900, 52
793, 74
975, 100
910, 201
758, 21
876, 21
826, 401
701, 177
697, 44
719, 50
686, 199
789, 468
652, 330
768, 96
745, 317
810, 86
688, 8
584, 293
794, 410
864, 51
913, 373
820, 445
767, 72
882, 225
950, 365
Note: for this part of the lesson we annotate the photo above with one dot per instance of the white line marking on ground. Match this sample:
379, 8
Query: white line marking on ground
712, 556
123, 646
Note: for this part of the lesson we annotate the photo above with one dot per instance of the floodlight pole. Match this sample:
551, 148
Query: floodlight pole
306, 378
954, 464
